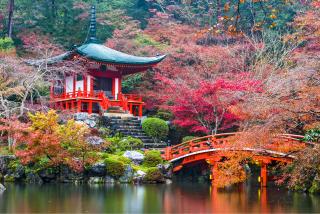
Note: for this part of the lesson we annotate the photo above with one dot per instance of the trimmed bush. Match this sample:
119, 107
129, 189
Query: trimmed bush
114, 167
153, 174
155, 128
119, 143
187, 138
152, 158
164, 115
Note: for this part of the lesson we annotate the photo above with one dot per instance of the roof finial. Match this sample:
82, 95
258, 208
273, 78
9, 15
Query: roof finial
93, 26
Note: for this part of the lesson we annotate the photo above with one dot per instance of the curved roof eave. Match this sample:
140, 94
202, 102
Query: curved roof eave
102, 53
51, 60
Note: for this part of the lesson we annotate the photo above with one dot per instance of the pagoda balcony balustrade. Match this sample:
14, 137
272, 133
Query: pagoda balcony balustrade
128, 102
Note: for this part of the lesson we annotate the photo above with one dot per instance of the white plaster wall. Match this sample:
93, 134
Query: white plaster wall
89, 79
79, 85
69, 84
116, 87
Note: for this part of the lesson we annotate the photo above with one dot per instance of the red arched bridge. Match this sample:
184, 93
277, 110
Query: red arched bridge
213, 148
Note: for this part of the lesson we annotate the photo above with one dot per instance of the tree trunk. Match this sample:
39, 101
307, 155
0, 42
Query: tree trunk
10, 17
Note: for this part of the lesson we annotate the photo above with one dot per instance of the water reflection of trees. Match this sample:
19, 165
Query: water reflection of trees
182, 198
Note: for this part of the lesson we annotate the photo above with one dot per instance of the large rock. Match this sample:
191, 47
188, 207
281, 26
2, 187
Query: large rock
16, 173
33, 178
96, 180
138, 176
109, 179
47, 174
4, 162
127, 177
81, 116
2, 188
98, 169
90, 123
95, 140
135, 156
67, 175
166, 170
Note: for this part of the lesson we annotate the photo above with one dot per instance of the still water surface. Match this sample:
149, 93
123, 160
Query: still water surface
174, 198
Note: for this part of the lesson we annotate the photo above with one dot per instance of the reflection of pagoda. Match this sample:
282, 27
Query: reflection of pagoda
100, 88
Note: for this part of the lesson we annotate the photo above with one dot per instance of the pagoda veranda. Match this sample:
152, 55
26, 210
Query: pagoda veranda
96, 89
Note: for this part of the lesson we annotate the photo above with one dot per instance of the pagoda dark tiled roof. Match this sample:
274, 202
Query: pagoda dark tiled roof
102, 53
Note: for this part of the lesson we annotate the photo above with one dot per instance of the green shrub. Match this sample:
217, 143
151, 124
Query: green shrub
119, 143
155, 128
6, 44
114, 167
153, 174
152, 158
164, 115
187, 138
124, 160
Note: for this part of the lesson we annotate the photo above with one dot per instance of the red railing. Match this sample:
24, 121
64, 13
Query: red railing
133, 97
122, 99
214, 141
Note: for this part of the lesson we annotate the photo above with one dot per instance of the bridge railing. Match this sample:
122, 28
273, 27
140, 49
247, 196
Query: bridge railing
197, 144
214, 141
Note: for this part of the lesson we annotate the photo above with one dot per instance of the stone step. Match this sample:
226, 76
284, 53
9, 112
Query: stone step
130, 130
127, 127
124, 124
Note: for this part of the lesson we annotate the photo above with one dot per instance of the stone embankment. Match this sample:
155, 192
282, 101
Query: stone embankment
11, 171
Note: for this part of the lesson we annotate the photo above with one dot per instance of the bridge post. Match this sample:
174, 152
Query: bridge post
213, 164
263, 174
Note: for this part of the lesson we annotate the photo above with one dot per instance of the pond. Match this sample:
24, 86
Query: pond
173, 198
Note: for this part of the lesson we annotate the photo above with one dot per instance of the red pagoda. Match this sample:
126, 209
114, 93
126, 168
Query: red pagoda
99, 89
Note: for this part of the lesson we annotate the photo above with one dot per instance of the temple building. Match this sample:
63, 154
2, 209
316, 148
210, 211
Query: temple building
99, 89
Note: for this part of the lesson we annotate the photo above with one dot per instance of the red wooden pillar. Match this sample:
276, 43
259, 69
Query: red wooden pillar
79, 106
140, 110
213, 164
263, 174
130, 108
72, 104
90, 107
113, 87
67, 105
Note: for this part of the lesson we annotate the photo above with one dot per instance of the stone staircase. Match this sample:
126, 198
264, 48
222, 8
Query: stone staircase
130, 126
115, 109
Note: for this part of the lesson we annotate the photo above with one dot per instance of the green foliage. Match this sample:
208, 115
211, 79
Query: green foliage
152, 158
153, 174
6, 44
119, 143
312, 135
146, 40
155, 128
187, 138
104, 132
131, 82
164, 115
114, 167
